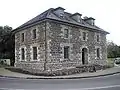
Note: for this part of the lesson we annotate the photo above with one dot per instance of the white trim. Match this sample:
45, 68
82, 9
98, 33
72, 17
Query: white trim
86, 38
62, 55
99, 52
96, 37
31, 51
36, 32
63, 27
15, 55
21, 36
20, 53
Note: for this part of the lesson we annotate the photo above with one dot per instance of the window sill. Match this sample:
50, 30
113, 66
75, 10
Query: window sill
22, 60
98, 58
65, 60
84, 40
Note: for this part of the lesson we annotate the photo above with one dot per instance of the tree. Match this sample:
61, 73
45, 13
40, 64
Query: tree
6, 43
113, 50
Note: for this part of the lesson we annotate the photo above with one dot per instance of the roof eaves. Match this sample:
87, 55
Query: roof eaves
99, 29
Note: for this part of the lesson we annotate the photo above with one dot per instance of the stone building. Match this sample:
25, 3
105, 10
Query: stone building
56, 39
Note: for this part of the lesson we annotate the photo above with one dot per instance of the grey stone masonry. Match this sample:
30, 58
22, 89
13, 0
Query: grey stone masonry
28, 43
52, 42
56, 43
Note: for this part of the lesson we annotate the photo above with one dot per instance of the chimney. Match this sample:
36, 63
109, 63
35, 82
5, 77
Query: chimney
89, 20
77, 17
59, 11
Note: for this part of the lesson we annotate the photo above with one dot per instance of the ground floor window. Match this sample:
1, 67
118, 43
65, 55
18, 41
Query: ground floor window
22, 54
66, 52
98, 52
34, 53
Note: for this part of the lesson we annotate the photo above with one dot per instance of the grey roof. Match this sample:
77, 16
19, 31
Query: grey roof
49, 14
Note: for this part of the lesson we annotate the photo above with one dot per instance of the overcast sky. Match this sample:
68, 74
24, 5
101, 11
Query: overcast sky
106, 12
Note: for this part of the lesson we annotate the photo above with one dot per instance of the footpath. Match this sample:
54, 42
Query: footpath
4, 73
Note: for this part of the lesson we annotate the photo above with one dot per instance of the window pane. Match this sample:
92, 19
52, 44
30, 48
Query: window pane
22, 37
34, 53
98, 38
66, 33
98, 52
23, 53
34, 33
66, 52
84, 35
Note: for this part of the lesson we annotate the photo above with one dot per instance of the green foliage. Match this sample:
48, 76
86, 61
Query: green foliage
6, 43
113, 50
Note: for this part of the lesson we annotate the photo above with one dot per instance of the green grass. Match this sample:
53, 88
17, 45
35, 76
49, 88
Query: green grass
4, 65
110, 61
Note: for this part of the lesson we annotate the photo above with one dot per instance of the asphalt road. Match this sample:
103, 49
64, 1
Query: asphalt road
99, 83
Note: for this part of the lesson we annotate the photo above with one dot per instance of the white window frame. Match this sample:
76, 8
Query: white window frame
100, 54
33, 34
86, 38
97, 34
62, 45
68, 52
21, 53
63, 27
31, 52
67, 33
33, 28
21, 38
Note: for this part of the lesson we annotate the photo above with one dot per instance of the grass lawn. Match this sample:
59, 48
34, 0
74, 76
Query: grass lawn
4, 65
110, 61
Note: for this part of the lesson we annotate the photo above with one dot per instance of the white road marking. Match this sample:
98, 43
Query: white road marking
10, 89
100, 87
67, 89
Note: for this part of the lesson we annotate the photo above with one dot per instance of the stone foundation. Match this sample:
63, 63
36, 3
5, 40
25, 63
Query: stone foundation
67, 71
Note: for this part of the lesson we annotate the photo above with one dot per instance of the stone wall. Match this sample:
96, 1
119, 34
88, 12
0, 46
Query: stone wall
28, 43
56, 42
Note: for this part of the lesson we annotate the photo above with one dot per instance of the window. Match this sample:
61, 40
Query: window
66, 52
34, 34
98, 52
22, 54
22, 37
84, 35
98, 38
61, 15
66, 33
34, 53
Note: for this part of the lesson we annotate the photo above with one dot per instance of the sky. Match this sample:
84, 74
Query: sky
106, 12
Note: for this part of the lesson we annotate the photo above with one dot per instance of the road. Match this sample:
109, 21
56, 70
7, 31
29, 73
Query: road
99, 83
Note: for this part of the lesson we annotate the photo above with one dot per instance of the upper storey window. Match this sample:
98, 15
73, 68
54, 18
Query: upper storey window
84, 35
34, 33
22, 37
98, 38
66, 33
